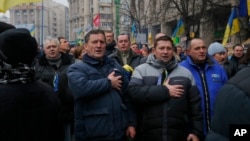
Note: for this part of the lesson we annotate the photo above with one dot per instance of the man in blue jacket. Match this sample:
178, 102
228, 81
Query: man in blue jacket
209, 77
102, 108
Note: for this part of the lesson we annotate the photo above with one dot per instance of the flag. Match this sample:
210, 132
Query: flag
32, 30
232, 26
87, 29
96, 21
244, 8
79, 38
133, 30
7, 4
150, 39
179, 29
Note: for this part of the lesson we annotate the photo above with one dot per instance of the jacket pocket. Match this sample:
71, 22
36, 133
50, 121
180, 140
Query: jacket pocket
97, 122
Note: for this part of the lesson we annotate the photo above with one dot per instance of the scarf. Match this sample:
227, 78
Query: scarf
20, 73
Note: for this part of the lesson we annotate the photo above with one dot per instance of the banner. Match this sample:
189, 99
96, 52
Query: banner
7, 4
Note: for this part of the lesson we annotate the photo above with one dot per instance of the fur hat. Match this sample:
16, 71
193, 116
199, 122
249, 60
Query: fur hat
17, 46
5, 26
215, 48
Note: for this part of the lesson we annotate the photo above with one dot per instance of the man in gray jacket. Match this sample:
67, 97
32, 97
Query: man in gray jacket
166, 98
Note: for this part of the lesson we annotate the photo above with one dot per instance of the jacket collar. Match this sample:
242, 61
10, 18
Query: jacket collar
208, 61
65, 58
92, 61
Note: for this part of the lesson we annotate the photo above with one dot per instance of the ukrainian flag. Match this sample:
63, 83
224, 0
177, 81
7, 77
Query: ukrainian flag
244, 8
32, 30
179, 29
232, 26
133, 29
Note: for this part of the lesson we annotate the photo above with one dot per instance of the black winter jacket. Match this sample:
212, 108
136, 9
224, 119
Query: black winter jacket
134, 59
46, 73
29, 112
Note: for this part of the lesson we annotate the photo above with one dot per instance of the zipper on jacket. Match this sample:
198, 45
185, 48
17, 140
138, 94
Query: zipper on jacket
207, 118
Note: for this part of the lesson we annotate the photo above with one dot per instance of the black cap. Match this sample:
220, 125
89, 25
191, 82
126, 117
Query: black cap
5, 26
17, 46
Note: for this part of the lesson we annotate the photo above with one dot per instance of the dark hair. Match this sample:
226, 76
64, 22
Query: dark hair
78, 51
109, 31
59, 38
246, 57
237, 45
123, 34
164, 38
95, 31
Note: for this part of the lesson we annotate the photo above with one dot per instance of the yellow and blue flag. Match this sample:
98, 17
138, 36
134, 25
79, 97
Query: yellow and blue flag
232, 26
133, 30
179, 29
150, 39
32, 30
244, 8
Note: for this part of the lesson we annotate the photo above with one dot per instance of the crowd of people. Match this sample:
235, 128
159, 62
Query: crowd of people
110, 89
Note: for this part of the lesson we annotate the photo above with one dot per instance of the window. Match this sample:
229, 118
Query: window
105, 1
106, 16
107, 9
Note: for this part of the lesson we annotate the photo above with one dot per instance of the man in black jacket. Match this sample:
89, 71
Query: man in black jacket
238, 53
29, 108
110, 42
51, 68
125, 56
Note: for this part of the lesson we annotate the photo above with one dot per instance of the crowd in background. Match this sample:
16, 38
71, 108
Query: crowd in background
109, 89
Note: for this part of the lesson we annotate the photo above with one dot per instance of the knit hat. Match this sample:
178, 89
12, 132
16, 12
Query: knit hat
215, 48
17, 46
5, 26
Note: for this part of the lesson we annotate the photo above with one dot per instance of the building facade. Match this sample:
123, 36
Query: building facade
43, 19
83, 12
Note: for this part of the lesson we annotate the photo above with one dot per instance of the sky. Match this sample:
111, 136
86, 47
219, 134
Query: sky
64, 2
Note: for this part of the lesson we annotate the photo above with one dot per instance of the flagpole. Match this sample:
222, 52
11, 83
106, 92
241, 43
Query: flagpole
42, 20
